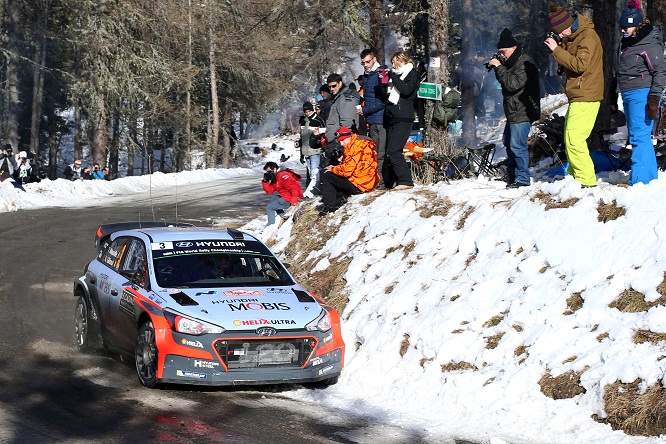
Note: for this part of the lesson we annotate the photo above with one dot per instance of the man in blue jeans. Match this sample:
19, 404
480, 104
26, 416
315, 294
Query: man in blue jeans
519, 78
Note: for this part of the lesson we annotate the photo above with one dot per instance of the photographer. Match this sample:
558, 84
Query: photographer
97, 172
24, 172
355, 173
519, 78
284, 188
7, 163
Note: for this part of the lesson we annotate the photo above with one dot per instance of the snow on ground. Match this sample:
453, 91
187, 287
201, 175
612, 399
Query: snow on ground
455, 316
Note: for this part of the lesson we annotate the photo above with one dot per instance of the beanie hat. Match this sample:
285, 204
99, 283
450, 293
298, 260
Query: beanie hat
307, 106
560, 19
631, 15
343, 133
506, 40
324, 88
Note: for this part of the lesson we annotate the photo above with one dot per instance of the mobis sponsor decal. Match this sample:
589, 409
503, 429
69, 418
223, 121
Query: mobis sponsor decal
239, 323
259, 306
243, 293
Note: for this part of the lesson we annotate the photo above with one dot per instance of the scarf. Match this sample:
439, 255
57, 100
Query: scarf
394, 94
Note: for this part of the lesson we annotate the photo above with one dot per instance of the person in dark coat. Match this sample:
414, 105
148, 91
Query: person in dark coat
373, 106
641, 78
518, 76
401, 86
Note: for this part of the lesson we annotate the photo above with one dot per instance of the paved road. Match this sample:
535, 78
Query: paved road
51, 393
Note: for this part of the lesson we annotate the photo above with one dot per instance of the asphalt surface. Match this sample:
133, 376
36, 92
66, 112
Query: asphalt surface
49, 392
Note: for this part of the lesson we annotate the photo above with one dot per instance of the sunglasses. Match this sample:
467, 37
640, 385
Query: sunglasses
333, 86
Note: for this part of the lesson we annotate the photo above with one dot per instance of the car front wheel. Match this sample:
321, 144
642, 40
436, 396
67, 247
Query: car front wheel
146, 355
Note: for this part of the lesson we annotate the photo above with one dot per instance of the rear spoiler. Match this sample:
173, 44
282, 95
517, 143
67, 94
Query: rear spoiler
104, 231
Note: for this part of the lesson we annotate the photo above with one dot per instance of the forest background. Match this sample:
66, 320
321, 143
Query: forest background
125, 79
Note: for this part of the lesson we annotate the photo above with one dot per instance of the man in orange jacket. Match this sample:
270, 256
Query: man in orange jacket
356, 173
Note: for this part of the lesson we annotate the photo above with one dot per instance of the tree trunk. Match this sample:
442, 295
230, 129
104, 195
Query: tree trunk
467, 93
38, 85
133, 142
377, 28
185, 157
78, 130
114, 147
99, 121
226, 134
438, 30
12, 74
54, 140
214, 104
656, 12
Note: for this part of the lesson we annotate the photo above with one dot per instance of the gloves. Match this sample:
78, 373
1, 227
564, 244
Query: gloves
303, 159
653, 106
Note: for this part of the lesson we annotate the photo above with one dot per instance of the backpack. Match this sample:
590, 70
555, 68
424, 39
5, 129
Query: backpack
446, 110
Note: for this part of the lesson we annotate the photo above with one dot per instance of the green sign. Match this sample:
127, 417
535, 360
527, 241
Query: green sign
430, 91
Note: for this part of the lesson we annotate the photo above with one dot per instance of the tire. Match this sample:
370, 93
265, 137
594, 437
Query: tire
82, 325
145, 355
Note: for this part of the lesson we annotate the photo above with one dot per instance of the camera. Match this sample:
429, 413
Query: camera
269, 176
554, 36
335, 155
497, 56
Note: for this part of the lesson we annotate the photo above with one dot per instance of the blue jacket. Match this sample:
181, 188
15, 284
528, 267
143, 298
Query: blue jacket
373, 106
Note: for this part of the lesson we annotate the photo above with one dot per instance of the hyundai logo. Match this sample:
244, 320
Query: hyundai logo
183, 244
266, 331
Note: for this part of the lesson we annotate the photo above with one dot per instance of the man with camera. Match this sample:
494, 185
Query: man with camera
7, 162
580, 54
518, 76
343, 109
355, 171
284, 188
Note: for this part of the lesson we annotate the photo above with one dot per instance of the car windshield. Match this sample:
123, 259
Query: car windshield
188, 264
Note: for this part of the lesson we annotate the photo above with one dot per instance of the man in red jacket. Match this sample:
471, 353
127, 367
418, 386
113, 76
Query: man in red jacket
284, 188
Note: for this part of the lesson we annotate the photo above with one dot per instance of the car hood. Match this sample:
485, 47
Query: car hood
247, 308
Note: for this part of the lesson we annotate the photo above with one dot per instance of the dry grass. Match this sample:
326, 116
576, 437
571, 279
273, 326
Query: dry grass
463, 217
494, 321
602, 336
389, 289
453, 298
520, 350
570, 359
517, 327
519, 250
633, 412
404, 345
493, 341
470, 259
433, 205
423, 361
575, 302
608, 212
643, 336
565, 386
543, 270
632, 301
458, 366
457, 331
551, 203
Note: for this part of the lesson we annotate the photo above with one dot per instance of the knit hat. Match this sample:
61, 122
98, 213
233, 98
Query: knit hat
506, 40
324, 88
343, 133
77, 162
560, 19
307, 106
631, 15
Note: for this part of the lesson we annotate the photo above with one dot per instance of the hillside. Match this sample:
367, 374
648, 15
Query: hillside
471, 311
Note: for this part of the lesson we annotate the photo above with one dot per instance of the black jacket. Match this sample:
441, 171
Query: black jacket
403, 111
519, 78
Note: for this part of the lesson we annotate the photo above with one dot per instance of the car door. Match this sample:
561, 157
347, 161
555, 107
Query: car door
106, 274
133, 277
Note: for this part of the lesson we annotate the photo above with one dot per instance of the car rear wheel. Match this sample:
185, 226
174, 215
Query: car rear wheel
146, 355
82, 325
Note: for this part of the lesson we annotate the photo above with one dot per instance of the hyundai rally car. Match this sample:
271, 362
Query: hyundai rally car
203, 306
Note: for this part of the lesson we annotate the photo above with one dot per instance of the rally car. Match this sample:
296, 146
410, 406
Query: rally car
203, 306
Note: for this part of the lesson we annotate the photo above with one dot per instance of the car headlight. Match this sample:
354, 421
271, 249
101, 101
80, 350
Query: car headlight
183, 324
321, 323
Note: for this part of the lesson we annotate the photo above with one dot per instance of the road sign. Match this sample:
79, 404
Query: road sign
430, 91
